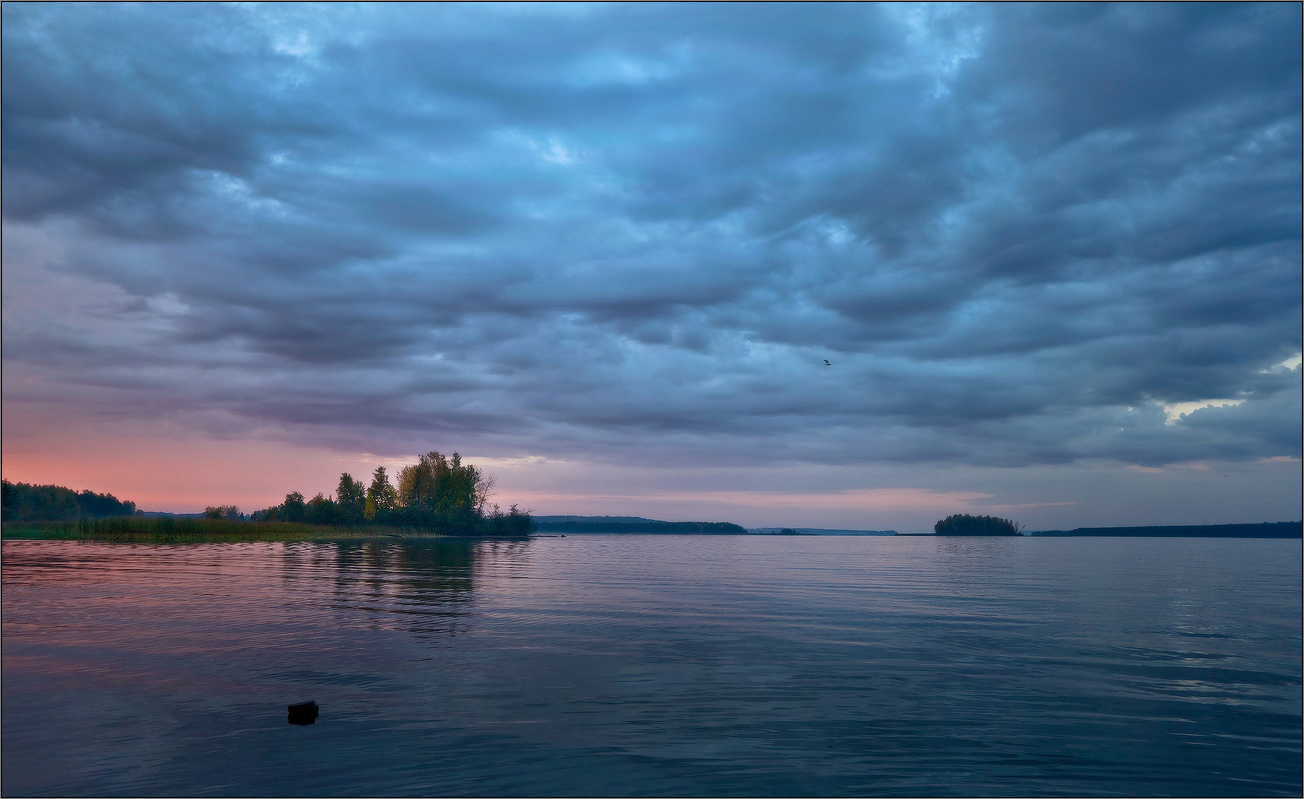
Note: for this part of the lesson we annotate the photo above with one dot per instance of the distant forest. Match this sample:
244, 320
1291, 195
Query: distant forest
24, 502
1264, 530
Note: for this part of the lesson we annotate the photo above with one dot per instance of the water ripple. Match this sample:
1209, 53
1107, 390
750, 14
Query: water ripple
654, 665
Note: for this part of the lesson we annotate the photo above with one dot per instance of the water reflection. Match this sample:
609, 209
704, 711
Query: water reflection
653, 666
424, 586
976, 545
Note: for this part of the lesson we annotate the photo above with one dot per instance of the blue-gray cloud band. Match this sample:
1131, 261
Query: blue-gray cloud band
1014, 232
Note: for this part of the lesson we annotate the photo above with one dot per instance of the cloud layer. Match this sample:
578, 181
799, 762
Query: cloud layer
1016, 233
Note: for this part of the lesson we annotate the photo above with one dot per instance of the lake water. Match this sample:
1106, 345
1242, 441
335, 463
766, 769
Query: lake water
655, 665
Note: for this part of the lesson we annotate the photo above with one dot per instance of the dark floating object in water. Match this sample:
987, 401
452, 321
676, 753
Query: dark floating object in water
303, 713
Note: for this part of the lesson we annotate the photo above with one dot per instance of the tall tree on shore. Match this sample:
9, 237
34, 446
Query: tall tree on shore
380, 494
295, 508
321, 510
444, 485
350, 498
416, 483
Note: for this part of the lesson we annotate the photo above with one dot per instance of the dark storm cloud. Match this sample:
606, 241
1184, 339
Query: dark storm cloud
1018, 233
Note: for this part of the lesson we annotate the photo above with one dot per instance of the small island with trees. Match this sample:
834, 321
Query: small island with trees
964, 524
437, 493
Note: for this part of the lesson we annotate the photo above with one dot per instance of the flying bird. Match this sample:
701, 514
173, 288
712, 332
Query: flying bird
826, 362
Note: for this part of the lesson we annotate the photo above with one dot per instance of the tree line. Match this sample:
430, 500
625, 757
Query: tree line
25, 502
437, 493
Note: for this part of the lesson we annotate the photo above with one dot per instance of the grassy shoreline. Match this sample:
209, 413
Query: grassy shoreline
153, 530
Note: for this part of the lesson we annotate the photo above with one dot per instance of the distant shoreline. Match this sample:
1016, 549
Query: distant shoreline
574, 525
1263, 530
216, 531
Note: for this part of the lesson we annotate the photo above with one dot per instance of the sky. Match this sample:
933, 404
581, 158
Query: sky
1050, 253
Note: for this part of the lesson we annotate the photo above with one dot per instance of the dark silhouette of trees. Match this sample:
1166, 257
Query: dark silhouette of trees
25, 502
381, 496
964, 524
229, 512
350, 499
321, 510
294, 508
437, 493
513, 522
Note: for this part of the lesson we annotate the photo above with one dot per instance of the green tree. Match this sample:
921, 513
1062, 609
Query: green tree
416, 483
437, 493
444, 491
229, 512
350, 499
380, 493
294, 509
321, 510
447, 485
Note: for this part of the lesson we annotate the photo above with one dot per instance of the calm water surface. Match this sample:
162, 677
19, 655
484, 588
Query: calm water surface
655, 665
